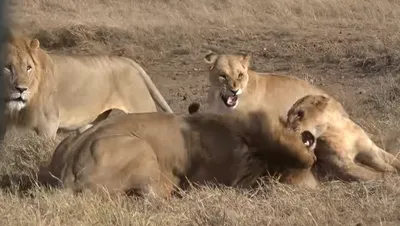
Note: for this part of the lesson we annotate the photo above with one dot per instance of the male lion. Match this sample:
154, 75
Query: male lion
340, 140
234, 87
49, 91
157, 151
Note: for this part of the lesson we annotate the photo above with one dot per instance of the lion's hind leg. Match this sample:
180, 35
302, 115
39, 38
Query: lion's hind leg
389, 158
370, 154
374, 160
348, 170
379, 159
126, 164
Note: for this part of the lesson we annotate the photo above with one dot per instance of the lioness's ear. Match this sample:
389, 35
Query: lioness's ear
321, 102
282, 121
35, 44
246, 60
210, 58
193, 108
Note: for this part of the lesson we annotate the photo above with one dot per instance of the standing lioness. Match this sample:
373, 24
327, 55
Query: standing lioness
157, 151
49, 91
234, 87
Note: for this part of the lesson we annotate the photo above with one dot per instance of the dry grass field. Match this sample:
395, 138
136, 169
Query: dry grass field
351, 48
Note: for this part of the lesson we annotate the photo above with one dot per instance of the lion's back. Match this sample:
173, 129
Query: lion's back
100, 81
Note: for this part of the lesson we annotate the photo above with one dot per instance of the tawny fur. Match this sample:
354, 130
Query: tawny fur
160, 152
71, 92
269, 92
344, 150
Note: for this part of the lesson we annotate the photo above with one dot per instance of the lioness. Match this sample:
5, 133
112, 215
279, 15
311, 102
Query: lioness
234, 87
157, 151
50, 91
341, 140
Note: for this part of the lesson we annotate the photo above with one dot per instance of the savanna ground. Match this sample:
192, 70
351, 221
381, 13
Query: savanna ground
351, 48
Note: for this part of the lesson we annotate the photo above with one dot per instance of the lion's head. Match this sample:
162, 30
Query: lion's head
228, 76
22, 72
312, 113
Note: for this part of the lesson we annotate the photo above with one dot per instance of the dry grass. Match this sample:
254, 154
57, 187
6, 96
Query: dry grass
334, 203
348, 47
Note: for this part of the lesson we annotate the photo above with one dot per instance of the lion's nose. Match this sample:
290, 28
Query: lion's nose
234, 91
21, 89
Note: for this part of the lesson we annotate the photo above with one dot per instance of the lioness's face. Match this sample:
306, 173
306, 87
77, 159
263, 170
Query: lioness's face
308, 114
18, 75
228, 77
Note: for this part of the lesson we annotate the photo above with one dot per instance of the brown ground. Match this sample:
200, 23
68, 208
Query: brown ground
349, 47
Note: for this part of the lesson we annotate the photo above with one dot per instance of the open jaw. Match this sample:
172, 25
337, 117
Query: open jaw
230, 101
308, 139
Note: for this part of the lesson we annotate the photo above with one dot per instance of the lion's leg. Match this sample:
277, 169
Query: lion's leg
349, 170
48, 128
84, 128
374, 160
389, 158
126, 164
375, 157
48, 120
389, 161
304, 178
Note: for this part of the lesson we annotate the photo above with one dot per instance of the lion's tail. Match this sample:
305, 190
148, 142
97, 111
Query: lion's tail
155, 93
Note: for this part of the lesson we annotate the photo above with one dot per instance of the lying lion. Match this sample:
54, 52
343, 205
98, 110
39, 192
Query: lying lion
341, 141
46, 92
143, 152
235, 87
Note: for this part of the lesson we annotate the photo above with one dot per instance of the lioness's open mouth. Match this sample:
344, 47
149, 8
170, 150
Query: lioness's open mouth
229, 101
308, 139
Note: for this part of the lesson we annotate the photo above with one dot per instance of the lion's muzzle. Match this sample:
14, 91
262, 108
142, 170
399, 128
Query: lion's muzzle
231, 99
20, 94
17, 98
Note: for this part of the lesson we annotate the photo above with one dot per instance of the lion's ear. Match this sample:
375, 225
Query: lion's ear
246, 58
35, 44
193, 108
282, 120
321, 102
210, 58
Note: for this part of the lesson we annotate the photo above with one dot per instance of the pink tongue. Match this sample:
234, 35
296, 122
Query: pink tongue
231, 100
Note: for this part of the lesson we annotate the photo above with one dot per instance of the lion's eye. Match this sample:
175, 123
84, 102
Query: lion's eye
28, 68
222, 76
7, 68
300, 114
240, 75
